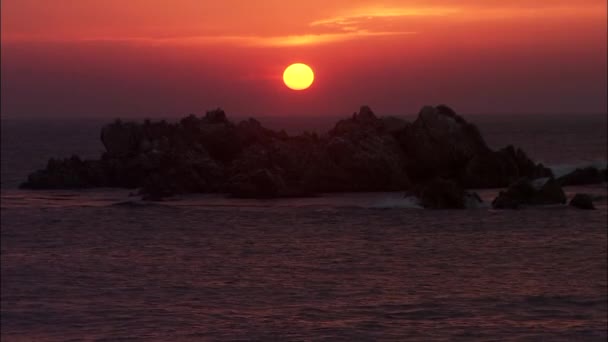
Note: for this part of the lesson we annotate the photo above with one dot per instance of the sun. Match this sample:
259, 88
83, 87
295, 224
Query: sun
298, 76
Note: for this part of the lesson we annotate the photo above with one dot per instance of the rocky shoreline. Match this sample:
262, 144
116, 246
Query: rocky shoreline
435, 158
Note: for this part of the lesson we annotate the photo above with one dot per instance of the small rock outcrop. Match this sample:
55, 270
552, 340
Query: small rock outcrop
588, 175
67, 173
526, 192
582, 201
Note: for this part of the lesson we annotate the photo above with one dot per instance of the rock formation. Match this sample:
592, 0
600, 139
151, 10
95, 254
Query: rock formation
582, 201
526, 192
588, 175
360, 153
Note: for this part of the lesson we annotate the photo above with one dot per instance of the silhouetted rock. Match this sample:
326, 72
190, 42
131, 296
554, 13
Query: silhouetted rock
394, 125
67, 173
526, 192
217, 116
122, 139
501, 168
188, 171
440, 143
588, 175
155, 188
361, 153
262, 183
582, 201
251, 132
361, 123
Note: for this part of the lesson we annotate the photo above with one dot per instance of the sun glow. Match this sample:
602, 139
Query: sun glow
298, 76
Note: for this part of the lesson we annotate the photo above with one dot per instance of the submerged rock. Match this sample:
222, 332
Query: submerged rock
525, 192
582, 201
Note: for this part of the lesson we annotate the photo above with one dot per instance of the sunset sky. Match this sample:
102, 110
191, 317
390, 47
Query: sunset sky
171, 57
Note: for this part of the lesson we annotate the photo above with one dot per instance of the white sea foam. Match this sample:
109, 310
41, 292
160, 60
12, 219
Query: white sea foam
390, 203
538, 183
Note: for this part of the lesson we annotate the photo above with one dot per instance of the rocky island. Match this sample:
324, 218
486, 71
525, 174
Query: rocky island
435, 158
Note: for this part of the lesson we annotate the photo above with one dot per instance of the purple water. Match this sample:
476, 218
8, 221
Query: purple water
100, 265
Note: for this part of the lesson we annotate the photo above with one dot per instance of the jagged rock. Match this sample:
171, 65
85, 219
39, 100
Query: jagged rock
363, 123
525, 166
155, 188
217, 116
499, 169
122, 139
251, 132
582, 201
254, 157
262, 183
439, 143
526, 192
588, 175
190, 171
361, 153
214, 132
67, 173
394, 125
490, 170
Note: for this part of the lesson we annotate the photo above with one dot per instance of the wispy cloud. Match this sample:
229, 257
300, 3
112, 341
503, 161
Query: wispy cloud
234, 40
361, 23
271, 41
363, 17
317, 39
357, 16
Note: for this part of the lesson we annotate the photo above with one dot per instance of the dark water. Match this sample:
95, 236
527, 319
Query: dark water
99, 265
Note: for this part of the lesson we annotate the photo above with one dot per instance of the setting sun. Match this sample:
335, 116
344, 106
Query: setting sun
298, 76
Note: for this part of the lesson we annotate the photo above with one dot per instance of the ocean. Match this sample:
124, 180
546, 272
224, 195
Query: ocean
101, 265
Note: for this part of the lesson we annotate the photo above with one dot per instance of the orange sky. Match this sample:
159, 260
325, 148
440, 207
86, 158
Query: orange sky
163, 57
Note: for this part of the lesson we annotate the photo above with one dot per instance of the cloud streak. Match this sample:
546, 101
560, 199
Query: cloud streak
359, 23
361, 15
234, 40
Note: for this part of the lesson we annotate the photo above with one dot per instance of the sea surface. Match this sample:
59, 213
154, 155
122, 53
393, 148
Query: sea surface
101, 265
